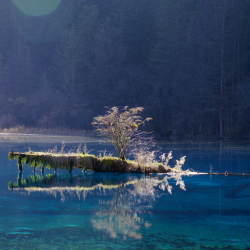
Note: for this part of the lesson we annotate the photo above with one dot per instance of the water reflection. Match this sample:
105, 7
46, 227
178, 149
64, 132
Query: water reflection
123, 214
144, 187
118, 217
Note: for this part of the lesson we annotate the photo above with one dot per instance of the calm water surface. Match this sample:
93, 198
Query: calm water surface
127, 211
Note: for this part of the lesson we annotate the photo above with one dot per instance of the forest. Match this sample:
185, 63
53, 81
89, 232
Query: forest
186, 62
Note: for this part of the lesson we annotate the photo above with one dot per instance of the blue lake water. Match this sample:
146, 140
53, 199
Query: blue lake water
127, 211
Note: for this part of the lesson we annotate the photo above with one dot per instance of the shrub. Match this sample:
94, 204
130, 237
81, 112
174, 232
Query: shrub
120, 127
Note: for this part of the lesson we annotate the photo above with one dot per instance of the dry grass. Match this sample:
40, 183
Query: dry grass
56, 160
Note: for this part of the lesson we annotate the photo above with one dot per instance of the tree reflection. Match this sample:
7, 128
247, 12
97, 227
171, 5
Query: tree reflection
124, 214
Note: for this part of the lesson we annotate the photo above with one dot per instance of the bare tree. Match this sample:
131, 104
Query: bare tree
120, 127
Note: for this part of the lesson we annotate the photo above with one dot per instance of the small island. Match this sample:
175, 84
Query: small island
90, 162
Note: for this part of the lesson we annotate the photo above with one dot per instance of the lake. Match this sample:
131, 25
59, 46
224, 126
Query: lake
126, 211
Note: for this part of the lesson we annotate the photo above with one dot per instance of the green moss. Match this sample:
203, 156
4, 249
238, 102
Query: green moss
108, 162
13, 156
10, 184
32, 181
82, 161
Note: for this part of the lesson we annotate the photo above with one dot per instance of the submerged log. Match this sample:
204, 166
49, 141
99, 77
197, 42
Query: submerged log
233, 193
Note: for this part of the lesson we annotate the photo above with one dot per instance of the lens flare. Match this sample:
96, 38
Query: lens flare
37, 7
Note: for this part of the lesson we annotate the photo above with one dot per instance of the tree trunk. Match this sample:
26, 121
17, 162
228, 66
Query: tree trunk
222, 69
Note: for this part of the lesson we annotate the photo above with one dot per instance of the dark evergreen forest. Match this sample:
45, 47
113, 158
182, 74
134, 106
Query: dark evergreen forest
187, 62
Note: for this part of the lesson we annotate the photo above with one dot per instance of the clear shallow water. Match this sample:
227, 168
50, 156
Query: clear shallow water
128, 211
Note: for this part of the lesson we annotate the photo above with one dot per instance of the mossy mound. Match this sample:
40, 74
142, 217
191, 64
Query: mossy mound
83, 161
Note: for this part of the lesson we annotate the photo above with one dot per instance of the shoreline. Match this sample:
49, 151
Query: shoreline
90, 134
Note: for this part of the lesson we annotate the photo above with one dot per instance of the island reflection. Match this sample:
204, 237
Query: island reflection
133, 196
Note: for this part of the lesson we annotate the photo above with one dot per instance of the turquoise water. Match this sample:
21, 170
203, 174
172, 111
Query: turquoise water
127, 211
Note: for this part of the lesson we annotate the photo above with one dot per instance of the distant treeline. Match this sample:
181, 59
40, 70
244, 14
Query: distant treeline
187, 62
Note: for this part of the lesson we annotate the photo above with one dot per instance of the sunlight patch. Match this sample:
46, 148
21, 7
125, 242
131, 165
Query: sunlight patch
37, 7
